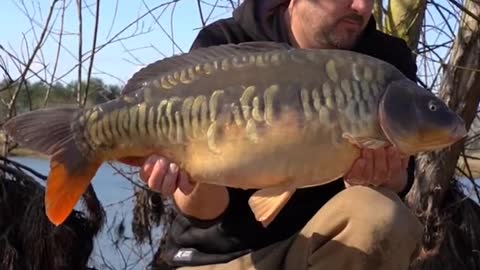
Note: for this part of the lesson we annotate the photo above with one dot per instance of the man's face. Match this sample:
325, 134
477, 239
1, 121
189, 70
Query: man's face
332, 23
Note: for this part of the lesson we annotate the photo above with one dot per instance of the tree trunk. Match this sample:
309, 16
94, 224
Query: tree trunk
378, 13
404, 20
436, 196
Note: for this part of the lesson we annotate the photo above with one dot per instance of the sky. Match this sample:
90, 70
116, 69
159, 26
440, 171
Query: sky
119, 59
116, 62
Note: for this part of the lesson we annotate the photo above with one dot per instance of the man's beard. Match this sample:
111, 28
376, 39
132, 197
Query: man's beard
344, 39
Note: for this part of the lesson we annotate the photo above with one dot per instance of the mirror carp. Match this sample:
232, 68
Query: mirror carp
256, 115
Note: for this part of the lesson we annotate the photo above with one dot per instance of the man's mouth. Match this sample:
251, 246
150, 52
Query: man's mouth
352, 20
458, 132
351, 23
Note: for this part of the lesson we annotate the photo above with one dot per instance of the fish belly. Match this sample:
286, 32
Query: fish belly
284, 154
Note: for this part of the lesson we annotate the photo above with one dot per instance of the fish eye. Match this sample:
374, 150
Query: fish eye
432, 106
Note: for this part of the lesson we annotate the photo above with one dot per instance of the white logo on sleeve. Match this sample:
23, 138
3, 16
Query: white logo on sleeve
183, 255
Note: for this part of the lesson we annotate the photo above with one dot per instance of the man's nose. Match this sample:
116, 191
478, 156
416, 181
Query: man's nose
363, 7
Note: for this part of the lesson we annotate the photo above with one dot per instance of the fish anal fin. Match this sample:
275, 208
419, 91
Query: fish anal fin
64, 188
365, 142
267, 203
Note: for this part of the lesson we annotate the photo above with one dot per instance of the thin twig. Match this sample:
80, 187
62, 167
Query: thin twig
30, 61
199, 5
94, 45
57, 57
80, 45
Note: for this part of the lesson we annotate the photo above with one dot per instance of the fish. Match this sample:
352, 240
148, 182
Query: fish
256, 115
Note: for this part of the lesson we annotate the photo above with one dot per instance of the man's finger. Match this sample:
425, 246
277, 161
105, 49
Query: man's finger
367, 174
147, 167
145, 171
184, 183
394, 163
355, 174
170, 180
155, 181
381, 166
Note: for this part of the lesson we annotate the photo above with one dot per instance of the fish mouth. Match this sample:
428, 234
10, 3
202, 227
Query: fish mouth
458, 132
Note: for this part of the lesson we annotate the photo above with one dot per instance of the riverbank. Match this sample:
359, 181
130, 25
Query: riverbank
19, 151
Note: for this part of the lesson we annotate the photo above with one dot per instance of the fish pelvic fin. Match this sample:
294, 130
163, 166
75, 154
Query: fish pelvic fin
267, 203
49, 131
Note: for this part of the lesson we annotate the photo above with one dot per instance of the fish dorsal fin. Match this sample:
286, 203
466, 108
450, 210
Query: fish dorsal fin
200, 55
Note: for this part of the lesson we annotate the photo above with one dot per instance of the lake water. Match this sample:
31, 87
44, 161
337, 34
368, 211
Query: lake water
115, 193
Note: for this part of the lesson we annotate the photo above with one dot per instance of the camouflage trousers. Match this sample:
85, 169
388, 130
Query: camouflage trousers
360, 228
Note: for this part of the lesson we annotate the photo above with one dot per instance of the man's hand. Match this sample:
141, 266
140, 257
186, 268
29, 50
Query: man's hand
381, 167
165, 177
202, 201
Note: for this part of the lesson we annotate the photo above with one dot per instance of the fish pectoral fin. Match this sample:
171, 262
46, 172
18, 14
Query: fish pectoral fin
365, 142
266, 203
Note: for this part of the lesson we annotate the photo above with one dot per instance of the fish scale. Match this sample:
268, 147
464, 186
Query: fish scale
257, 115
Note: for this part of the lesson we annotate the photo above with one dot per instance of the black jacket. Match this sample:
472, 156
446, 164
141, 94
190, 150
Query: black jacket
237, 232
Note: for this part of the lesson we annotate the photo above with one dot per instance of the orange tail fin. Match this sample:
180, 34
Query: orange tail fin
64, 189
49, 131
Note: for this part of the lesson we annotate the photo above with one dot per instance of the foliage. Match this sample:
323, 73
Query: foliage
39, 94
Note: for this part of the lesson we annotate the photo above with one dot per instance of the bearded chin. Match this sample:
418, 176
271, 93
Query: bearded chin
344, 40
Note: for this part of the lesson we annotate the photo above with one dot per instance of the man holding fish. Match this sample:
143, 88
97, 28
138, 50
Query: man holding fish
325, 227
278, 155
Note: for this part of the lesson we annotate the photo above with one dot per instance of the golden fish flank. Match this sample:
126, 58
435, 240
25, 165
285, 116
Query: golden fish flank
332, 70
169, 113
307, 110
93, 129
186, 107
368, 74
123, 119
339, 98
257, 112
199, 116
213, 104
269, 100
114, 128
142, 115
257, 115
246, 101
152, 121
346, 89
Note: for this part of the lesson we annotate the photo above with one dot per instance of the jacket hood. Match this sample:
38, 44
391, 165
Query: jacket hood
263, 20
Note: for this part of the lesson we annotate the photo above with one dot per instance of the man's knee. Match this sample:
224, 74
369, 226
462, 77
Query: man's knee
380, 208
375, 218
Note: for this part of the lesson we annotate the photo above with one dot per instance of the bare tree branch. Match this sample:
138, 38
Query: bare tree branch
57, 56
95, 35
80, 56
